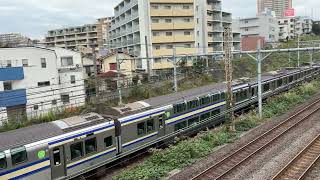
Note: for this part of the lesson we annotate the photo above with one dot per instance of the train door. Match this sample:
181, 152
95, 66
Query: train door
58, 163
162, 129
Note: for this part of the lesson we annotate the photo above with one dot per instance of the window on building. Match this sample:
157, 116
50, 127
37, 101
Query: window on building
113, 66
141, 128
246, 29
90, 145
157, 60
43, 84
108, 141
76, 150
155, 33
65, 98
3, 161
54, 102
186, 20
197, 8
169, 46
197, 20
7, 86
25, 63
9, 64
43, 63
66, 61
154, 6
157, 47
187, 46
187, 33
168, 33
246, 22
35, 107
186, 7
18, 155
155, 20
167, 7
73, 79
168, 20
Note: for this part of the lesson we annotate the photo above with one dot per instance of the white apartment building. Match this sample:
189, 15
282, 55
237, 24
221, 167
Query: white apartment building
294, 26
35, 81
14, 39
189, 26
265, 25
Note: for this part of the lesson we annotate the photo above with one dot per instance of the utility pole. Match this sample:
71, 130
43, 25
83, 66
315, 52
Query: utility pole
175, 70
97, 100
118, 79
259, 59
229, 77
298, 51
147, 56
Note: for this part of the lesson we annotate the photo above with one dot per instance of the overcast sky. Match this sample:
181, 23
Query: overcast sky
35, 17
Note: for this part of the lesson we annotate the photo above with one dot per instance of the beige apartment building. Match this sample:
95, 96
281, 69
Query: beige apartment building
184, 26
278, 6
89, 35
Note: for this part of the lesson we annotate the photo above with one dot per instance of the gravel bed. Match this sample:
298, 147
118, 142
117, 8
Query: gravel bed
223, 151
270, 161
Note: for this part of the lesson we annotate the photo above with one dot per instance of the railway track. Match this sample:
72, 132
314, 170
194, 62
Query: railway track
300, 165
234, 160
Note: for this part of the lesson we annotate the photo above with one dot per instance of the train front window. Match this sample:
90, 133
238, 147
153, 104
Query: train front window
76, 150
90, 145
19, 155
3, 161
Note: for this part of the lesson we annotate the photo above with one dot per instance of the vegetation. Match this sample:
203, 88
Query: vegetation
190, 150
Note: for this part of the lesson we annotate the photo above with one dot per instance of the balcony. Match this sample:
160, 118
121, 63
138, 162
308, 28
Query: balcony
11, 73
169, 52
215, 39
13, 98
172, 1
172, 12
171, 39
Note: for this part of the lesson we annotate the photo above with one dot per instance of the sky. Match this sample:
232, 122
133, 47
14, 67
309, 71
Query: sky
34, 18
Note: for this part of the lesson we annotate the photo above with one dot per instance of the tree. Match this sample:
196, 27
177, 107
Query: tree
316, 29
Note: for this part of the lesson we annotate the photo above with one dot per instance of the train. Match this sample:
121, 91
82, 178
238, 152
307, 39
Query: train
68, 148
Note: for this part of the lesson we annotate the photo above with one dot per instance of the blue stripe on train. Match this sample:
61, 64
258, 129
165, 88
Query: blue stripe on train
139, 140
24, 166
142, 116
30, 173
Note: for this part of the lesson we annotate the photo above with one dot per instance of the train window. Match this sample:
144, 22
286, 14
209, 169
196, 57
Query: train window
90, 145
19, 155
193, 104
291, 78
223, 96
266, 87
56, 157
160, 121
205, 100
3, 162
215, 112
215, 97
108, 141
178, 108
76, 150
279, 83
150, 125
141, 128
193, 121
180, 125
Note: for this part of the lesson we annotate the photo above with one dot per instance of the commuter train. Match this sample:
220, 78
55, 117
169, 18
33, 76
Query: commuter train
69, 147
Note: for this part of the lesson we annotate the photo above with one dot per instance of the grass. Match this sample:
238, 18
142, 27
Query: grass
188, 151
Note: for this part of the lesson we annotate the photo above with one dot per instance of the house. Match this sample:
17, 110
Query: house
35, 81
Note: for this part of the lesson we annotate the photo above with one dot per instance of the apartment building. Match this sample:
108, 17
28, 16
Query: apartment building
188, 26
35, 81
292, 27
90, 35
278, 6
103, 27
14, 39
265, 26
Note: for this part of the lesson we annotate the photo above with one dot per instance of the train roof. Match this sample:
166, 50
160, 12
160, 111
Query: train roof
44, 131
